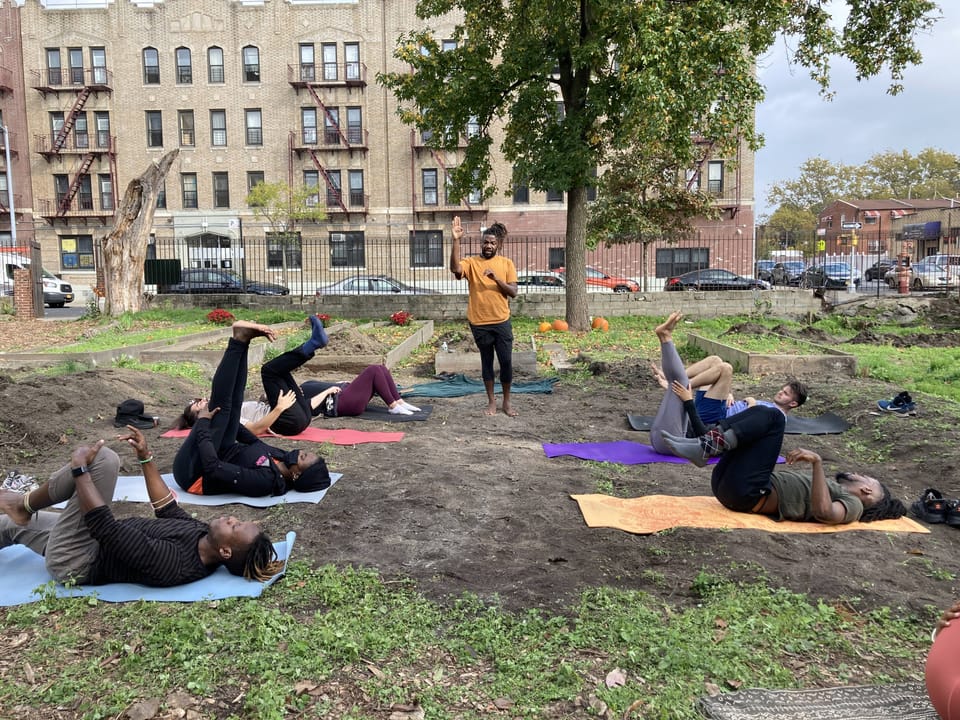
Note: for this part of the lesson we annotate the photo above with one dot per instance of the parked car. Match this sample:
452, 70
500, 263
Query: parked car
600, 279
762, 270
878, 269
56, 292
827, 276
537, 280
214, 280
372, 285
925, 275
714, 279
52, 298
787, 272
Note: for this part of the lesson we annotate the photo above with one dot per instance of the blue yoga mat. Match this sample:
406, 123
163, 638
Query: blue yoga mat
26, 580
460, 385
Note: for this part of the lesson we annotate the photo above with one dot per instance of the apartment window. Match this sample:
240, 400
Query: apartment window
284, 250
328, 52
254, 123
215, 73
162, 196
154, 128
56, 122
254, 178
188, 186
218, 128
308, 68
3, 189
151, 66
54, 67
105, 183
354, 126
61, 188
429, 186
84, 197
554, 196
426, 248
676, 261
334, 189
75, 58
521, 194
473, 127
221, 190
188, 137
184, 66
308, 121
98, 61
351, 60
102, 121
251, 64
715, 177
448, 45
76, 252
331, 126
347, 249
311, 179
356, 188
474, 197
81, 131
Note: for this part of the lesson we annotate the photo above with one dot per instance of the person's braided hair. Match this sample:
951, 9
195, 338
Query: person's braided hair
886, 508
499, 231
258, 561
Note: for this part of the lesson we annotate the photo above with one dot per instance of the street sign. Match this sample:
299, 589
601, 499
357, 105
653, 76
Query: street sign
851, 226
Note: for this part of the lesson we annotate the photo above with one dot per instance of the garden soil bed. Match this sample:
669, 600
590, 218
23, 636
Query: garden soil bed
469, 503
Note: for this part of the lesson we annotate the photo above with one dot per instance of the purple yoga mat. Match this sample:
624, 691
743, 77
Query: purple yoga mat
625, 452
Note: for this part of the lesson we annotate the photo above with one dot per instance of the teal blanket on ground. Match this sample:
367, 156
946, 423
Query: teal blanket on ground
459, 385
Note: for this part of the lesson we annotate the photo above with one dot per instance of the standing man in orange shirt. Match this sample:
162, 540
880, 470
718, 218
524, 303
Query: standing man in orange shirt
493, 280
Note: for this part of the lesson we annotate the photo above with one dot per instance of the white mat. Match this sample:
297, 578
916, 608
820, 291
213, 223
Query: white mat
131, 488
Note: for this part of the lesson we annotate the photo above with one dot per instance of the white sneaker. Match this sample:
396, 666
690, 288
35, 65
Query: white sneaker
399, 410
410, 407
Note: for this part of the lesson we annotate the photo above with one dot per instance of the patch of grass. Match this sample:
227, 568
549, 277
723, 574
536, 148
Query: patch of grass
349, 632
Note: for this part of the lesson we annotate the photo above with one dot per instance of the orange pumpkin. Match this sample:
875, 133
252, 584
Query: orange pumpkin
605, 325
545, 326
560, 325
597, 323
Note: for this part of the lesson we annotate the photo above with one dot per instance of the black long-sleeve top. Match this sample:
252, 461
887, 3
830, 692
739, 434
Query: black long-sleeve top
697, 428
159, 552
246, 467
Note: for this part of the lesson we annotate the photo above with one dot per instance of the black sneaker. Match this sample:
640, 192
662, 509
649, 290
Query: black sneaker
931, 507
952, 512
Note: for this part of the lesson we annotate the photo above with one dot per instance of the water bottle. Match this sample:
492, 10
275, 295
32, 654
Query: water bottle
444, 347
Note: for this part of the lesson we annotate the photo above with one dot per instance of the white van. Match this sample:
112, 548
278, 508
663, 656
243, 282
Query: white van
56, 292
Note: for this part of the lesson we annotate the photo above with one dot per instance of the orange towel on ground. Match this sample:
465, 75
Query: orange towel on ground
653, 513
343, 436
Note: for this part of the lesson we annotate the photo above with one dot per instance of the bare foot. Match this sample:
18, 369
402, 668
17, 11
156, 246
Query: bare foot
659, 376
509, 411
665, 330
491, 408
245, 331
11, 504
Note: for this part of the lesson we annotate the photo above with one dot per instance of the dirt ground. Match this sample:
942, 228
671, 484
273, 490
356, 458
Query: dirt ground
470, 503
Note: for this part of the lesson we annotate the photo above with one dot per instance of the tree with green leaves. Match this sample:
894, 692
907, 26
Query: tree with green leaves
563, 84
643, 196
281, 207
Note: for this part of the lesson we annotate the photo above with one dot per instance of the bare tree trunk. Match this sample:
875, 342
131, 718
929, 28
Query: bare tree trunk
125, 247
578, 311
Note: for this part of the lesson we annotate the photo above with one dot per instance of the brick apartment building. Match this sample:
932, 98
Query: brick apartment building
876, 226
94, 91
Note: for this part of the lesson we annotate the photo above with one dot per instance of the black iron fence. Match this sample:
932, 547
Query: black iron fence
309, 260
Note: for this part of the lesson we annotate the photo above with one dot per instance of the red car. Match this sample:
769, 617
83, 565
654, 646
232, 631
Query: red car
598, 278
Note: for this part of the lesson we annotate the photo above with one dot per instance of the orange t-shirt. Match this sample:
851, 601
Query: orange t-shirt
487, 305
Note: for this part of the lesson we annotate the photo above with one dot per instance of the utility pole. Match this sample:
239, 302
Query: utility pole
9, 169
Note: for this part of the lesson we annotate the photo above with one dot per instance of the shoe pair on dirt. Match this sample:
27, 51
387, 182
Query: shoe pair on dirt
932, 507
902, 404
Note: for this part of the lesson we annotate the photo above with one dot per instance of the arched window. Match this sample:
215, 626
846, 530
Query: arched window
215, 66
151, 66
184, 66
251, 64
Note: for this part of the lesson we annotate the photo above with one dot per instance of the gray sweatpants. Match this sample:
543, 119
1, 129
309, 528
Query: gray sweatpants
670, 415
63, 538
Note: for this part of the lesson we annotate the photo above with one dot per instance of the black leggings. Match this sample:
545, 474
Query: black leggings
495, 339
742, 477
277, 378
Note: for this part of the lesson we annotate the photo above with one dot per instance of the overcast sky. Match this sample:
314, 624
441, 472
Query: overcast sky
862, 119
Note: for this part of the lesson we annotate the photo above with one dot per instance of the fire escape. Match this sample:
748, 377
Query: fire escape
67, 142
332, 138
8, 141
419, 143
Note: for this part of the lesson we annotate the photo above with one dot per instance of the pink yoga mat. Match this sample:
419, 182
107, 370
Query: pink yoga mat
342, 436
